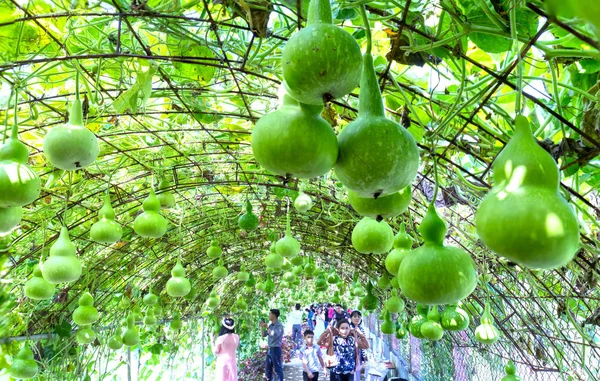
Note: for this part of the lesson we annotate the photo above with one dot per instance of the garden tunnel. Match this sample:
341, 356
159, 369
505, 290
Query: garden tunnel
172, 90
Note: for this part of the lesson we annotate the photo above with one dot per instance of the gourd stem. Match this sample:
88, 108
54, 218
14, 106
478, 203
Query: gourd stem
67, 198
6, 118
365, 17
76, 114
319, 11
288, 230
436, 178
15, 128
370, 101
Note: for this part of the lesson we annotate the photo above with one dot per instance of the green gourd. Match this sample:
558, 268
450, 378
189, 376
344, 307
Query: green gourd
284, 284
176, 322
434, 273
214, 251
131, 336
287, 265
423, 310
85, 335
165, 196
116, 341
303, 202
394, 304
297, 261
394, 282
288, 246
37, 288
248, 221
220, 271
402, 244
511, 372
269, 286
23, 366
336, 299
321, 61
243, 275
372, 237
383, 283
150, 318
432, 329
524, 218
332, 278
401, 331
454, 318
471, 307
106, 230
10, 218
157, 309
213, 300
191, 296
289, 277
178, 284
298, 270
370, 301
150, 299
251, 282
19, 184
381, 207
378, 157
486, 332
150, 224
310, 268
260, 286
85, 314
241, 303
415, 325
387, 327
295, 141
62, 264
321, 283
71, 146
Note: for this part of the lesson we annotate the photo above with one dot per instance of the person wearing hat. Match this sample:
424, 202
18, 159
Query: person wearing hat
224, 347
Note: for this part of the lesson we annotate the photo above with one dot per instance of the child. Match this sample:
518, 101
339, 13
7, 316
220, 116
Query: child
311, 357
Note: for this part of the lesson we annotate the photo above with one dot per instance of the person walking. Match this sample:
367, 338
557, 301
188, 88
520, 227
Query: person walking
311, 358
311, 317
296, 321
356, 323
224, 347
319, 322
339, 313
274, 331
343, 346
328, 314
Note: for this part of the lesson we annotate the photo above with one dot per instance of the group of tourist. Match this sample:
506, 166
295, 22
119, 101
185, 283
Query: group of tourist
336, 329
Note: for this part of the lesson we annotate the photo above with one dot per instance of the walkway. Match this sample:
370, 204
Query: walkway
293, 370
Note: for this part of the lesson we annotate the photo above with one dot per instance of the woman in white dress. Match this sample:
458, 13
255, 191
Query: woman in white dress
320, 325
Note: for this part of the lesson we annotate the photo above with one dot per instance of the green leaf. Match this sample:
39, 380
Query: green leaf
142, 89
186, 47
346, 14
63, 329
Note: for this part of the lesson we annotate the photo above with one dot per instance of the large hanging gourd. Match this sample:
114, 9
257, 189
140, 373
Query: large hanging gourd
178, 284
24, 366
131, 336
71, 146
524, 218
394, 304
19, 184
486, 332
402, 243
116, 341
288, 246
370, 236
248, 221
106, 230
150, 224
85, 335
86, 313
220, 271
164, 195
436, 274
387, 327
454, 318
150, 299
381, 207
322, 61
378, 157
432, 329
370, 301
295, 141
62, 265
10, 218
38, 288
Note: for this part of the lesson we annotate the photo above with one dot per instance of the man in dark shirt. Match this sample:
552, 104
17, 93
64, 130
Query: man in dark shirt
339, 313
274, 358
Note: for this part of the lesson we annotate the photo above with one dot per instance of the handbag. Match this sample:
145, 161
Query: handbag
331, 360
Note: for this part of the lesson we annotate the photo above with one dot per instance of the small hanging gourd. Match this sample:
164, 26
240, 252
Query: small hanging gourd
137, 314
150, 224
241, 303
381, 207
213, 299
511, 372
336, 299
220, 271
333, 278
378, 157
289, 277
303, 202
269, 285
370, 301
297, 261
401, 331
164, 195
383, 283
131, 336
321, 61
106, 230
150, 299
176, 322
273, 260
297, 270
85, 335
432, 329
157, 309
178, 284
115, 342
402, 244
295, 141
251, 282
454, 318
10, 218
62, 265
321, 283
248, 221
436, 274
214, 251
524, 218
372, 237
86, 313
243, 275
310, 268
71, 146
24, 366
38, 288
191, 295
394, 304
387, 327
150, 318
486, 332
19, 184
288, 246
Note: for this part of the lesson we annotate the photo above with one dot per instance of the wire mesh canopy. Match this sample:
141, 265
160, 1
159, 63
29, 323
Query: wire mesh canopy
172, 90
